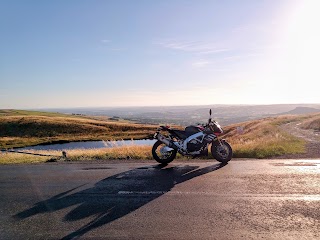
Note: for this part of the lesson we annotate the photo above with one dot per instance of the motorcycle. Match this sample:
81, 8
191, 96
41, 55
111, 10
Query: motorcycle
193, 141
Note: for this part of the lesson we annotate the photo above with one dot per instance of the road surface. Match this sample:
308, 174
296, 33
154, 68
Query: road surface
245, 199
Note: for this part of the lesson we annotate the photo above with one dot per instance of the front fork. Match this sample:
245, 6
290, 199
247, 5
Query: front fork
218, 141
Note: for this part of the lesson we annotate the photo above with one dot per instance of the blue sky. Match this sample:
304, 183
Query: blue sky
169, 52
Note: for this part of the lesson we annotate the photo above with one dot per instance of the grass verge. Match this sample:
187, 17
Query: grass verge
263, 139
119, 153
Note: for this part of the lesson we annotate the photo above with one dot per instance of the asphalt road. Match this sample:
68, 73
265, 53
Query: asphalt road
246, 199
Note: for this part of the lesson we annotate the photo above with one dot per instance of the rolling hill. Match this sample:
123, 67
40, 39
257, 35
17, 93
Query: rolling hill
20, 128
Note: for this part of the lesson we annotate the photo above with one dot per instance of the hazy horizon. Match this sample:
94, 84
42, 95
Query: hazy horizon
67, 54
186, 115
170, 106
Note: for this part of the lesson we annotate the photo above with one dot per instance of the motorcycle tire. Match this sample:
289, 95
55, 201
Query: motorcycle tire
160, 156
221, 152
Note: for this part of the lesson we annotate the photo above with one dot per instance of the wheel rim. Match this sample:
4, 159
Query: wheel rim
162, 152
223, 151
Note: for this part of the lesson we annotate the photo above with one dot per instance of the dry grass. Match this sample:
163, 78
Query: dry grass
312, 123
123, 152
263, 139
14, 158
27, 130
293, 118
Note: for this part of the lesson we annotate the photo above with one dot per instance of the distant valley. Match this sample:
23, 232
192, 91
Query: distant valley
186, 115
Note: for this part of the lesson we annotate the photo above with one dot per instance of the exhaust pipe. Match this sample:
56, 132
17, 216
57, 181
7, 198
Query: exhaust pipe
167, 142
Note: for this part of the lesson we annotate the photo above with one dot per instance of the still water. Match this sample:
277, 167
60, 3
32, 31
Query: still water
91, 144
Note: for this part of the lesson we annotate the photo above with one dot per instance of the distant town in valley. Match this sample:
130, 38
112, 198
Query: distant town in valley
186, 115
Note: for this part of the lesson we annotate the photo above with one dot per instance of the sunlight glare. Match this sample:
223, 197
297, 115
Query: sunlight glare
291, 73
303, 38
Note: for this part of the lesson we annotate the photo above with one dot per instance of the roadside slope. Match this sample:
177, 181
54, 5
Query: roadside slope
307, 129
25, 128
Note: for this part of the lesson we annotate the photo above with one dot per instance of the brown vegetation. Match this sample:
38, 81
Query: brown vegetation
312, 123
25, 130
263, 139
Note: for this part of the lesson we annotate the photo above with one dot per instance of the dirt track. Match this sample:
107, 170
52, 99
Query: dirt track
310, 136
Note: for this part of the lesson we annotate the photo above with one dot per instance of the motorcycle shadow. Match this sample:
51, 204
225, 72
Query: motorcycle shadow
116, 196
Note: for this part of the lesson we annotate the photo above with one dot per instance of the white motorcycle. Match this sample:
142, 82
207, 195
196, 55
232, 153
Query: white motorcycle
193, 141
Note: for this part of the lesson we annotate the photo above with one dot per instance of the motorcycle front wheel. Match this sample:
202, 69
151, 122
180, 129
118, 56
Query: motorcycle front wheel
162, 153
222, 151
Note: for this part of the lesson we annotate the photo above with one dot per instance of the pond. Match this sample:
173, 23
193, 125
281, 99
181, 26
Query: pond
90, 145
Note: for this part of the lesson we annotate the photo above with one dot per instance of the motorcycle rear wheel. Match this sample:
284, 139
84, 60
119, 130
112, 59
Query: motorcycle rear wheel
160, 154
221, 152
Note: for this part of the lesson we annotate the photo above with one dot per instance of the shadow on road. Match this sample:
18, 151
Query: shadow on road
118, 195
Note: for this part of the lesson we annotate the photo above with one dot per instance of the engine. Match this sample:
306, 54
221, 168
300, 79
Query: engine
194, 145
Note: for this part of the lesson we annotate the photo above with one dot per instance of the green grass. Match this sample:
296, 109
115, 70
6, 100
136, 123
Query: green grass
268, 149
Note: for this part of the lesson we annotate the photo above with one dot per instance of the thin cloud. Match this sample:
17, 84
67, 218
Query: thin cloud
118, 49
105, 41
215, 51
200, 64
209, 65
192, 46
109, 46
183, 46
243, 56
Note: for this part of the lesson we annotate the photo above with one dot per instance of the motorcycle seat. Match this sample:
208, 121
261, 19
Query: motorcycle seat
183, 134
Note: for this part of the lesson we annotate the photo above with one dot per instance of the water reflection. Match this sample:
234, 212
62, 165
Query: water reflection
90, 144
